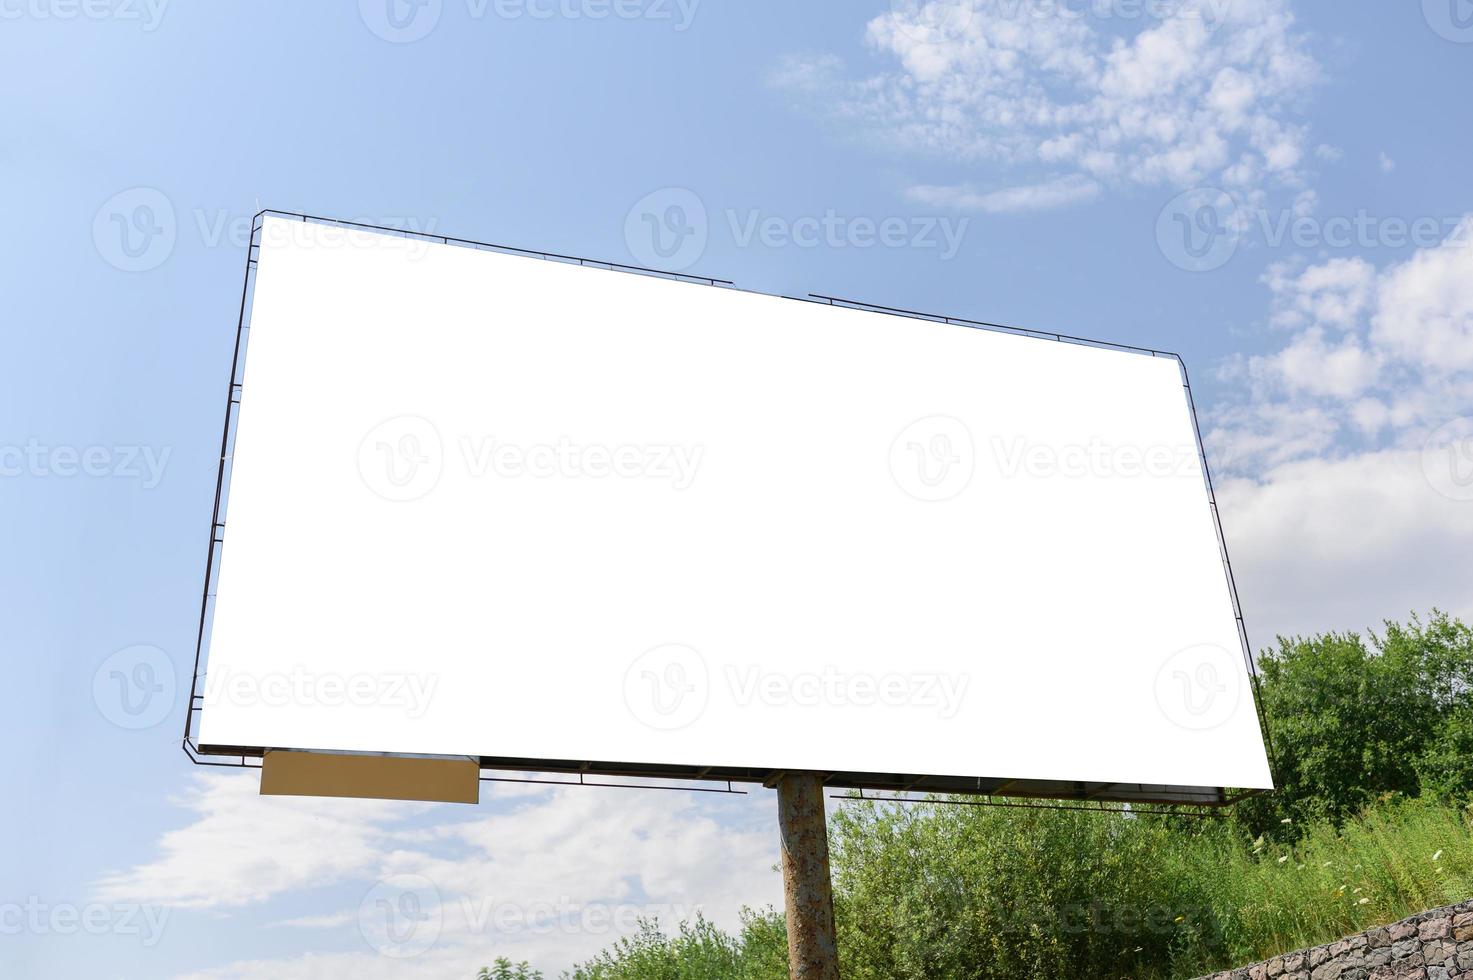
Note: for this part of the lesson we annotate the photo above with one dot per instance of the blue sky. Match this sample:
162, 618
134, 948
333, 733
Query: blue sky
1276, 190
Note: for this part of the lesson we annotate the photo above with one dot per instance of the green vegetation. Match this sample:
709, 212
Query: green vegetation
1353, 721
504, 969
1396, 859
1374, 753
939, 891
699, 952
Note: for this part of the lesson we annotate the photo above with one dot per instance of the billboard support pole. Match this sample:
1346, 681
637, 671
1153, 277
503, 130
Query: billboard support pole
807, 890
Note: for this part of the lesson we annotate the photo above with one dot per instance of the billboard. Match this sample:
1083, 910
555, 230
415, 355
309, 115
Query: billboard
562, 517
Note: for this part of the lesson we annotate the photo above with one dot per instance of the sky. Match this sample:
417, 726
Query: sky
1276, 190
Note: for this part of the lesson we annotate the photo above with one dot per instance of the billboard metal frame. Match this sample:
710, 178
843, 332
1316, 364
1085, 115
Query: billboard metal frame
984, 788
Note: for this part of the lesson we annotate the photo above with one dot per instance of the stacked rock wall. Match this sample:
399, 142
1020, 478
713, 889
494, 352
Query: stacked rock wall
1436, 945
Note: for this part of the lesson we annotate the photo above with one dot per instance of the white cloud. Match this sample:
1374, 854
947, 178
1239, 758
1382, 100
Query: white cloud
1029, 197
551, 876
1309, 363
1374, 357
1334, 509
1387, 164
243, 848
1425, 307
1345, 543
1335, 294
331, 920
1205, 92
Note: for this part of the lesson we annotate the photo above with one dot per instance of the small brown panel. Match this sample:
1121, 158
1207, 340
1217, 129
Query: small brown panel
372, 777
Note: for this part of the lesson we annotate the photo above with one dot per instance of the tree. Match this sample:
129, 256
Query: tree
1353, 721
699, 951
503, 969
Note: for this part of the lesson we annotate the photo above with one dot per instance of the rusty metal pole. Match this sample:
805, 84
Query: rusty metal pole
807, 891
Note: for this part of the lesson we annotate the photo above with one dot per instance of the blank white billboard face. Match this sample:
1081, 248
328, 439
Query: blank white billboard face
494, 505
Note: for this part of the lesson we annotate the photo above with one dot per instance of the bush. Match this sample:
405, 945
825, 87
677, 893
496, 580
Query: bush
1352, 721
940, 891
699, 951
966, 891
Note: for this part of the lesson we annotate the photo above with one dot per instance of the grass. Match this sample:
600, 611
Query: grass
1393, 861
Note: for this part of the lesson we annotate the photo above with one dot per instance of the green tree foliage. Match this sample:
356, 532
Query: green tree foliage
1355, 720
699, 951
504, 969
966, 891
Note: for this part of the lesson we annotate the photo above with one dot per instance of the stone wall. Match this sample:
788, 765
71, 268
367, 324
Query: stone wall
1436, 945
